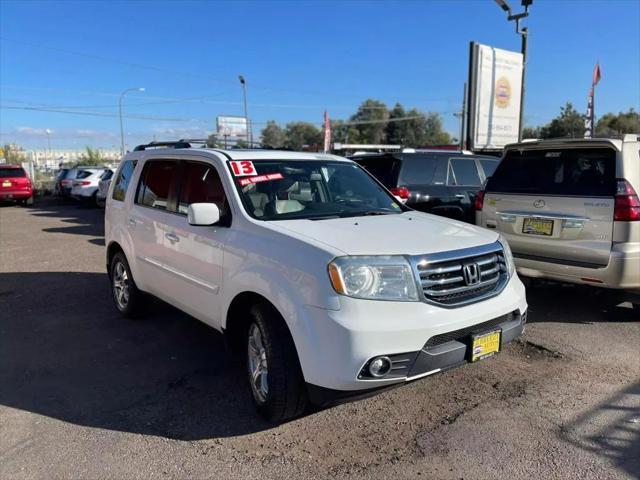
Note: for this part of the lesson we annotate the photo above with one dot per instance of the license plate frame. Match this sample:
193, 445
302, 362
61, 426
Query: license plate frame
6, 184
485, 344
537, 226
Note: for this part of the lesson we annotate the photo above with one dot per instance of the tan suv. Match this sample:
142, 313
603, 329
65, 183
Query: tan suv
570, 211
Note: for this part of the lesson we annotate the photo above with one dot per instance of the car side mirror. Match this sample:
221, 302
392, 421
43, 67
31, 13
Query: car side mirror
203, 214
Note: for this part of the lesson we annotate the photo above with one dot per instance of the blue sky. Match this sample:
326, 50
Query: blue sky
298, 57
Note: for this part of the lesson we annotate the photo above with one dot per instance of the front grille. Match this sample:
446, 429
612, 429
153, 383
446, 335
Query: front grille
444, 282
463, 333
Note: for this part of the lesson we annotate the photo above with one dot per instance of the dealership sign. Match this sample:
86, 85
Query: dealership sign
232, 126
495, 81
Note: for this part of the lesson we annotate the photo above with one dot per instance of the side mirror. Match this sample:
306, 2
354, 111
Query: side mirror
203, 214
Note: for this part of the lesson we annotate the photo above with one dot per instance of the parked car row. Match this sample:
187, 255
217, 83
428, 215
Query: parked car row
569, 208
83, 183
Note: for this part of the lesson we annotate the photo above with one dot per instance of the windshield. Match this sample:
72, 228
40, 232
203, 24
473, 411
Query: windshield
12, 172
286, 189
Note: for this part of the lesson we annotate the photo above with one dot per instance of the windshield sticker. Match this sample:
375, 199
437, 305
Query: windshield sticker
243, 168
260, 178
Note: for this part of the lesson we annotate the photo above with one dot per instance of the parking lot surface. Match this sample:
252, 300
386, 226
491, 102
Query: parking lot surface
87, 394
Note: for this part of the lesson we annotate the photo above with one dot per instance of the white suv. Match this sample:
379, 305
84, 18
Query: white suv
327, 284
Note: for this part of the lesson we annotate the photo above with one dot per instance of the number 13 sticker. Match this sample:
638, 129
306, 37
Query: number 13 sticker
243, 168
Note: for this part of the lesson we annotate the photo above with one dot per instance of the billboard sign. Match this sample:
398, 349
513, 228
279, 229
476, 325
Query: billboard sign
232, 126
495, 82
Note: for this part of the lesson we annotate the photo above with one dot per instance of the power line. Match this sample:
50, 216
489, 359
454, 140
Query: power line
103, 114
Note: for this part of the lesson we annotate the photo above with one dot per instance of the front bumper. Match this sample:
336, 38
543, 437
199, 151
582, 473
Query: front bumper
335, 345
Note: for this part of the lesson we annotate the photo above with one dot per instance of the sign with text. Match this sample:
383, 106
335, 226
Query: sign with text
232, 126
495, 82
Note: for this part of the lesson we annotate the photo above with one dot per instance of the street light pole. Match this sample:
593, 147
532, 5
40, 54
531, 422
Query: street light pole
140, 89
243, 82
48, 133
524, 34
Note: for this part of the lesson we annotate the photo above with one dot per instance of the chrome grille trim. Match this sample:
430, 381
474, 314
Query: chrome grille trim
440, 276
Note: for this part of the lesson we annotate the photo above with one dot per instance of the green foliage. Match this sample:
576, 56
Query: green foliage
373, 111
12, 154
569, 123
92, 157
614, 125
212, 141
242, 144
272, 135
530, 132
299, 134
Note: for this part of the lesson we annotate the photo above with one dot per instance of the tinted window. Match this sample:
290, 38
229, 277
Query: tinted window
584, 172
464, 172
12, 172
423, 170
62, 173
200, 184
84, 174
153, 190
122, 182
106, 175
489, 166
383, 168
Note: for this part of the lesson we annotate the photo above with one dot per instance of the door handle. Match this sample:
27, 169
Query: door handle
172, 237
132, 222
460, 195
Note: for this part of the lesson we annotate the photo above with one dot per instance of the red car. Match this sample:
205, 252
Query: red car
15, 185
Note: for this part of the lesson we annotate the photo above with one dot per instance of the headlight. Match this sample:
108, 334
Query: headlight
508, 256
374, 278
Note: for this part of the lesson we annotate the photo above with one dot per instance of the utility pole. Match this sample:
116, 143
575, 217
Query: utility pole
49, 155
140, 89
462, 115
524, 34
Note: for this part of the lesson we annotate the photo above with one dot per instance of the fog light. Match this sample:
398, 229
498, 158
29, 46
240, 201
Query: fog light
380, 366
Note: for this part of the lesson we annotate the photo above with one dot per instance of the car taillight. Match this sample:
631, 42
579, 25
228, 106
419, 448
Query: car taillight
479, 200
627, 204
82, 183
400, 192
65, 182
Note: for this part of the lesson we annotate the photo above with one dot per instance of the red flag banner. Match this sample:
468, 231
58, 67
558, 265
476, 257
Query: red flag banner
596, 74
327, 133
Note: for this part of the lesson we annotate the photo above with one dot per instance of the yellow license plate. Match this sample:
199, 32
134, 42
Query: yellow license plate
536, 226
485, 345
6, 184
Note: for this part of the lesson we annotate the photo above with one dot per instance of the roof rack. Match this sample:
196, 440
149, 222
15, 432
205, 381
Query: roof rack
178, 144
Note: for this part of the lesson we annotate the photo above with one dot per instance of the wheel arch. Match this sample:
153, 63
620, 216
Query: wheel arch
113, 248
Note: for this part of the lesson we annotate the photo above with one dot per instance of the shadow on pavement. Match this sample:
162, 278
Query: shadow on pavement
67, 354
611, 430
81, 219
564, 303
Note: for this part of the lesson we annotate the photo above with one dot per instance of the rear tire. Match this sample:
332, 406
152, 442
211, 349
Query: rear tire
28, 202
273, 368
126, 296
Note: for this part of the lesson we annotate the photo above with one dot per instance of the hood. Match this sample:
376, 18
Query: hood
409, 233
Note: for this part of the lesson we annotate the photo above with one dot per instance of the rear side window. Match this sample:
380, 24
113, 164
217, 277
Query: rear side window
12, 173
122, 182
200, 184
155, 184
84, 174
488, 166
106, 175
464, 172
577, 172
385, 169
424, 170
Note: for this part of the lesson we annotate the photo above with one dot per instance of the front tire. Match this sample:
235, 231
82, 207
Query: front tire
273, 367
126, 296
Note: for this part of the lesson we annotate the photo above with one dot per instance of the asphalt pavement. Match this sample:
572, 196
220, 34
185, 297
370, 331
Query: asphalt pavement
87, 394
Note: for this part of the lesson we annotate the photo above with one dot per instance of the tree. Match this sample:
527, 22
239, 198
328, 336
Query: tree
241, 144
299, 134
434, 133
91, 157
371, 117
611, 125
417, 129
569, 123
212, 141
12, 154
531, 132
397, 132
272, 135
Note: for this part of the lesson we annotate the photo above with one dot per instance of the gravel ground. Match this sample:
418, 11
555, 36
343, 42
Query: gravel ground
86, 394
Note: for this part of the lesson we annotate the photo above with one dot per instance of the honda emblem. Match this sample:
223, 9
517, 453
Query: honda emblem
471, 273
